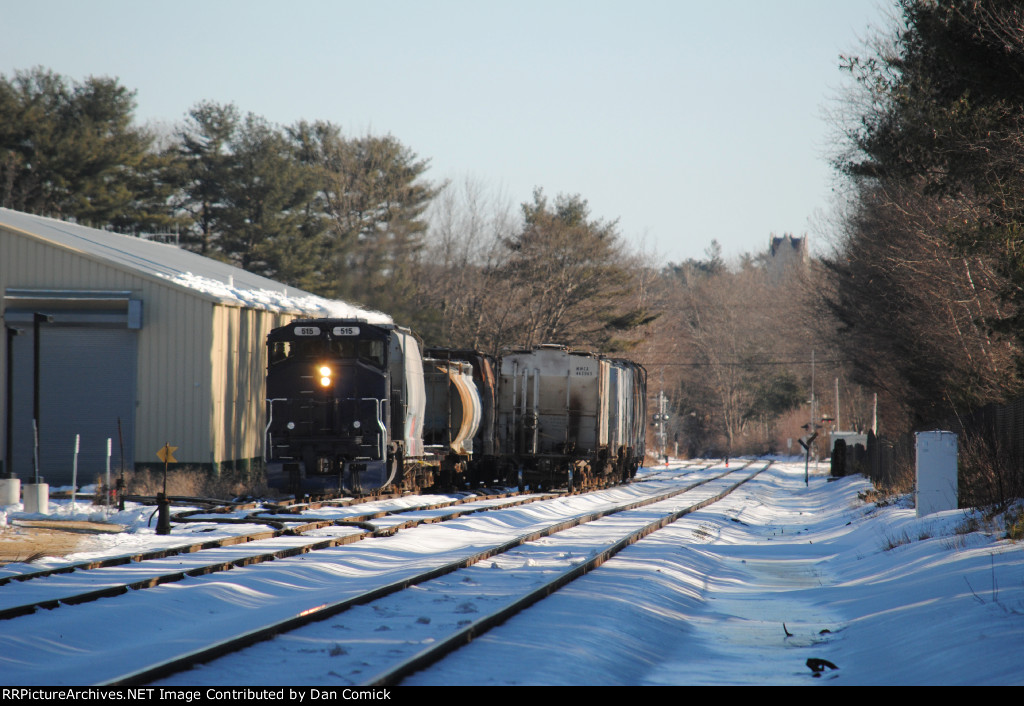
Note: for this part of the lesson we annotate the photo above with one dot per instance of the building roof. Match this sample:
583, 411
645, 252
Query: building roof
207, 278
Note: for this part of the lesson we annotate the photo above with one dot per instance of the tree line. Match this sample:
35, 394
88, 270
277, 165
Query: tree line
341, 216
729, 352
358, 218
925, 284
921, 299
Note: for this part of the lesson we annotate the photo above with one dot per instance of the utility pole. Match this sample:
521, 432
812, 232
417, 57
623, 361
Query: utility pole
813, 409
839, 427
662, 417
812, 433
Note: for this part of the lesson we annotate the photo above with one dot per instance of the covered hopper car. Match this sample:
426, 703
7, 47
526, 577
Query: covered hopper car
571, 418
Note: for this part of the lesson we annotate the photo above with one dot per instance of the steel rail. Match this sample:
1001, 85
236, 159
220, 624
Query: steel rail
464, 636
310, 524
171, 576
237, 642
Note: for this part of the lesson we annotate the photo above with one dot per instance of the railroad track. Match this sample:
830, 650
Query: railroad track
258, 602
290, 533
274, 516
114, 576
570, 570
463, 603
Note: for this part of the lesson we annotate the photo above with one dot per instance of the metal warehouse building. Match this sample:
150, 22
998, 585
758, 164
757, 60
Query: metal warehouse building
166, 341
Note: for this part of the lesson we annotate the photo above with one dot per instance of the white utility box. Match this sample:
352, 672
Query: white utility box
936, 471
10, 491
36, 497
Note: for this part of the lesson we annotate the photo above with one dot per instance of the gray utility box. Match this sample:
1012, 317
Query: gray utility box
936, 471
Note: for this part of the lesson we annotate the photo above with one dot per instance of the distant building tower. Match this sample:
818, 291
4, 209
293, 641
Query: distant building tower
787, 257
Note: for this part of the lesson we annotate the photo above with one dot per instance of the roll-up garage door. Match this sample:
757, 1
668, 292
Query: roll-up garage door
87, 383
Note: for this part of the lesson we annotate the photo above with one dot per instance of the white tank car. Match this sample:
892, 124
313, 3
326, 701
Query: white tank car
453, 406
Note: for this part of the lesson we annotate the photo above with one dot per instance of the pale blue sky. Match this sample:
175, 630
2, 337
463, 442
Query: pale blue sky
685, 120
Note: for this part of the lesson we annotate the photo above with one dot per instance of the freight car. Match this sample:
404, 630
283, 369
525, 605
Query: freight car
354, 407
482, 465
570, 418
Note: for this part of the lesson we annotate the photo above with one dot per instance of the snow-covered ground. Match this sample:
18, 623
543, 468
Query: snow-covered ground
745, 592
886, 597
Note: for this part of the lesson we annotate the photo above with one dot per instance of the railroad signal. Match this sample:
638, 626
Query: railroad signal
806, 443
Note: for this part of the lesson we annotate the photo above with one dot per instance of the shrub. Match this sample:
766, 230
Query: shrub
194, 482
987, 472
893, 541
1014, 521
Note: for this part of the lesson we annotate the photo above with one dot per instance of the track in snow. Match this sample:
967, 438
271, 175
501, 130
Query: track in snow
380, 642
23, 594
199, 617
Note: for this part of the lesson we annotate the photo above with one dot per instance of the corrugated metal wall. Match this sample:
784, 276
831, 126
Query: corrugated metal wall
174, 376
200, 363
238, 361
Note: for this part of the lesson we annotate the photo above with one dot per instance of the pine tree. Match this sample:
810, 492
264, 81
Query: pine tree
70, 149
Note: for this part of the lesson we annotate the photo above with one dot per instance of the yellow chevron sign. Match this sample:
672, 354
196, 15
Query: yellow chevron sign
166, 454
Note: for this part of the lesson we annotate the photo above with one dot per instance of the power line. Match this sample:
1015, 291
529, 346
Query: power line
746, 364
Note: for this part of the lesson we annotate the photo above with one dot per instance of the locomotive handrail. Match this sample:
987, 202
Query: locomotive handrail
270, 420
383, 432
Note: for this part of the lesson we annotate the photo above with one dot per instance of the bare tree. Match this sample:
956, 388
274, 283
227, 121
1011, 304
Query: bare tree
468, 226
914, 313
552, 274
722, 349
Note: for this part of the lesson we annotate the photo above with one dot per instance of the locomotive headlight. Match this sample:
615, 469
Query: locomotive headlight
325, 376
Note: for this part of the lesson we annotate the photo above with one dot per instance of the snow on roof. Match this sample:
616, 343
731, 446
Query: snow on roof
214, 280
282, 299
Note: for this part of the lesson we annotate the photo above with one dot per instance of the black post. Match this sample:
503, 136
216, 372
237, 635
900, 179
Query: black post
9, 414
37, 318
807, 457
163, 521
120, 480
